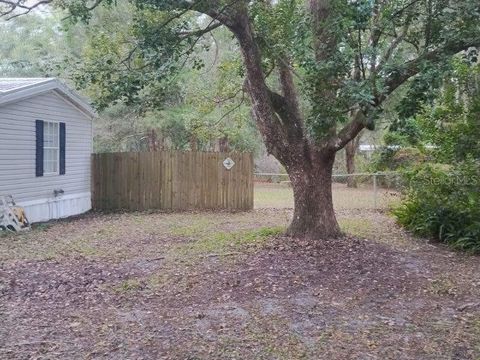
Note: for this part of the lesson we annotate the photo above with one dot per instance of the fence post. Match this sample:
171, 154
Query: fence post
375, 191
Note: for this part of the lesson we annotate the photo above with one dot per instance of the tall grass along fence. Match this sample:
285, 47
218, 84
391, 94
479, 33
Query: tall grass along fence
172, 180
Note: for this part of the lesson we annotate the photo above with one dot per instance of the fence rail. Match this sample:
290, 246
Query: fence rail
171, 180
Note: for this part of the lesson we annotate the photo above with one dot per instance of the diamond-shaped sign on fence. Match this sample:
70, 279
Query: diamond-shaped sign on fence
228, 163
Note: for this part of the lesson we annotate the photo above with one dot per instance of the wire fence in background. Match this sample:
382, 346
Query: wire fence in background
366, 191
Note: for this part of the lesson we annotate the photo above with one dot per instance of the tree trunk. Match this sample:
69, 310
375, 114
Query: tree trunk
314, 216
223, 144
309, 165
152, 140
193, 143
350, 151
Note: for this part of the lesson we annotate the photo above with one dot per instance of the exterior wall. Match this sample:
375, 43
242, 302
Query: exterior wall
17, 158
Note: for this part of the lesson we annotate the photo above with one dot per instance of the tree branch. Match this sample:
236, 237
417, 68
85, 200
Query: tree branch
288, 117
349, 131
408, 70
273, 130
214, 10
237, 106
393, 45
413, 67
201, 32
324, 42
12, 6
406, 7
289, 91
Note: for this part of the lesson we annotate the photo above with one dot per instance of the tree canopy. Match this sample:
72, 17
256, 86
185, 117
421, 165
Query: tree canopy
355, 54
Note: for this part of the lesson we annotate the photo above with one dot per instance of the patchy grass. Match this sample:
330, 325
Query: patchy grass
96, 237
357, 227
194, 229
224, 242
128, 285
443, 286
273, 196
47, 244
476, 334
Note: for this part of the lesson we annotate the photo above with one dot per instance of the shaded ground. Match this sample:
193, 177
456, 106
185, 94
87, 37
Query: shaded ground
224, 286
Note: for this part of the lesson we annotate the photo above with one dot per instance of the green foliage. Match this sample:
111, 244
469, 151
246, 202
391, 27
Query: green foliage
452, 127
403, 147
146, 77
178, 108
285, 33
408, 133
396, 159
443, 197
334, 60
153, 57
121, 63
31, 46
442, 203
421, 91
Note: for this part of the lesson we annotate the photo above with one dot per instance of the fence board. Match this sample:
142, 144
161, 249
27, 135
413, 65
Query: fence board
171, 180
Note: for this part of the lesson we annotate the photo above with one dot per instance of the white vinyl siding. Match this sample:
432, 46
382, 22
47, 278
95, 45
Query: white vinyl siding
51, 147
17, 148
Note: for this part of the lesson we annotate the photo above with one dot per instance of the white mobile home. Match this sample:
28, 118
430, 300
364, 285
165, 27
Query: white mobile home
45, 147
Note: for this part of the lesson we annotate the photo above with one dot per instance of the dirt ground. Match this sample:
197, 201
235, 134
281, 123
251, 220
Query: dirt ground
230, 286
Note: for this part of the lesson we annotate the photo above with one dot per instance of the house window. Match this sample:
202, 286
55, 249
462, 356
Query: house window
51, 147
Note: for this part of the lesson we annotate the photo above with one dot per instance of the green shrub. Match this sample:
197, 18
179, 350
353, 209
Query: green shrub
443, 202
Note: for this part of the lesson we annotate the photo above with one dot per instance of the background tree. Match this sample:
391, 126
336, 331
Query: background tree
198, 108
350, 152
31, 46
201, 107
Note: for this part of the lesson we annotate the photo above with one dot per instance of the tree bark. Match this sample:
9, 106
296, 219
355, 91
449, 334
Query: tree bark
223, 144
193, 143
152, 140
314, 215
350, 156
274, 134
350, 151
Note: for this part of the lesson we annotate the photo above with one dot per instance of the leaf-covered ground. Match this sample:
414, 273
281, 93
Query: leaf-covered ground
229, 286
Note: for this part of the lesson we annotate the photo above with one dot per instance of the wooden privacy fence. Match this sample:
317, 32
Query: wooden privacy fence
172, 180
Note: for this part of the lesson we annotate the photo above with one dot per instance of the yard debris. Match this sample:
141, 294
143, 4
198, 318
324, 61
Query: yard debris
468, 306
12, 217
223, 254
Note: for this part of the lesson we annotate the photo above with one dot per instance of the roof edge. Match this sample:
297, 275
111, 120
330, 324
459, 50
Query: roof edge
50, 84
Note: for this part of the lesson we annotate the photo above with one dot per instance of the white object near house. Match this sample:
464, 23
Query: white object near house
45, 146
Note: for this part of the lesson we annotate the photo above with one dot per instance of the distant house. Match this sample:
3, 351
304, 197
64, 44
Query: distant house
45, 147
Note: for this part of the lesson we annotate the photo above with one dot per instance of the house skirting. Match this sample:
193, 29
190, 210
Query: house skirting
57, 207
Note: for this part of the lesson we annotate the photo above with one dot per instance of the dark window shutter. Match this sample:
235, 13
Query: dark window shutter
62, 148
39, 148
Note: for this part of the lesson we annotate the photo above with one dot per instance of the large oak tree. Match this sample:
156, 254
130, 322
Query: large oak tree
335, 62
